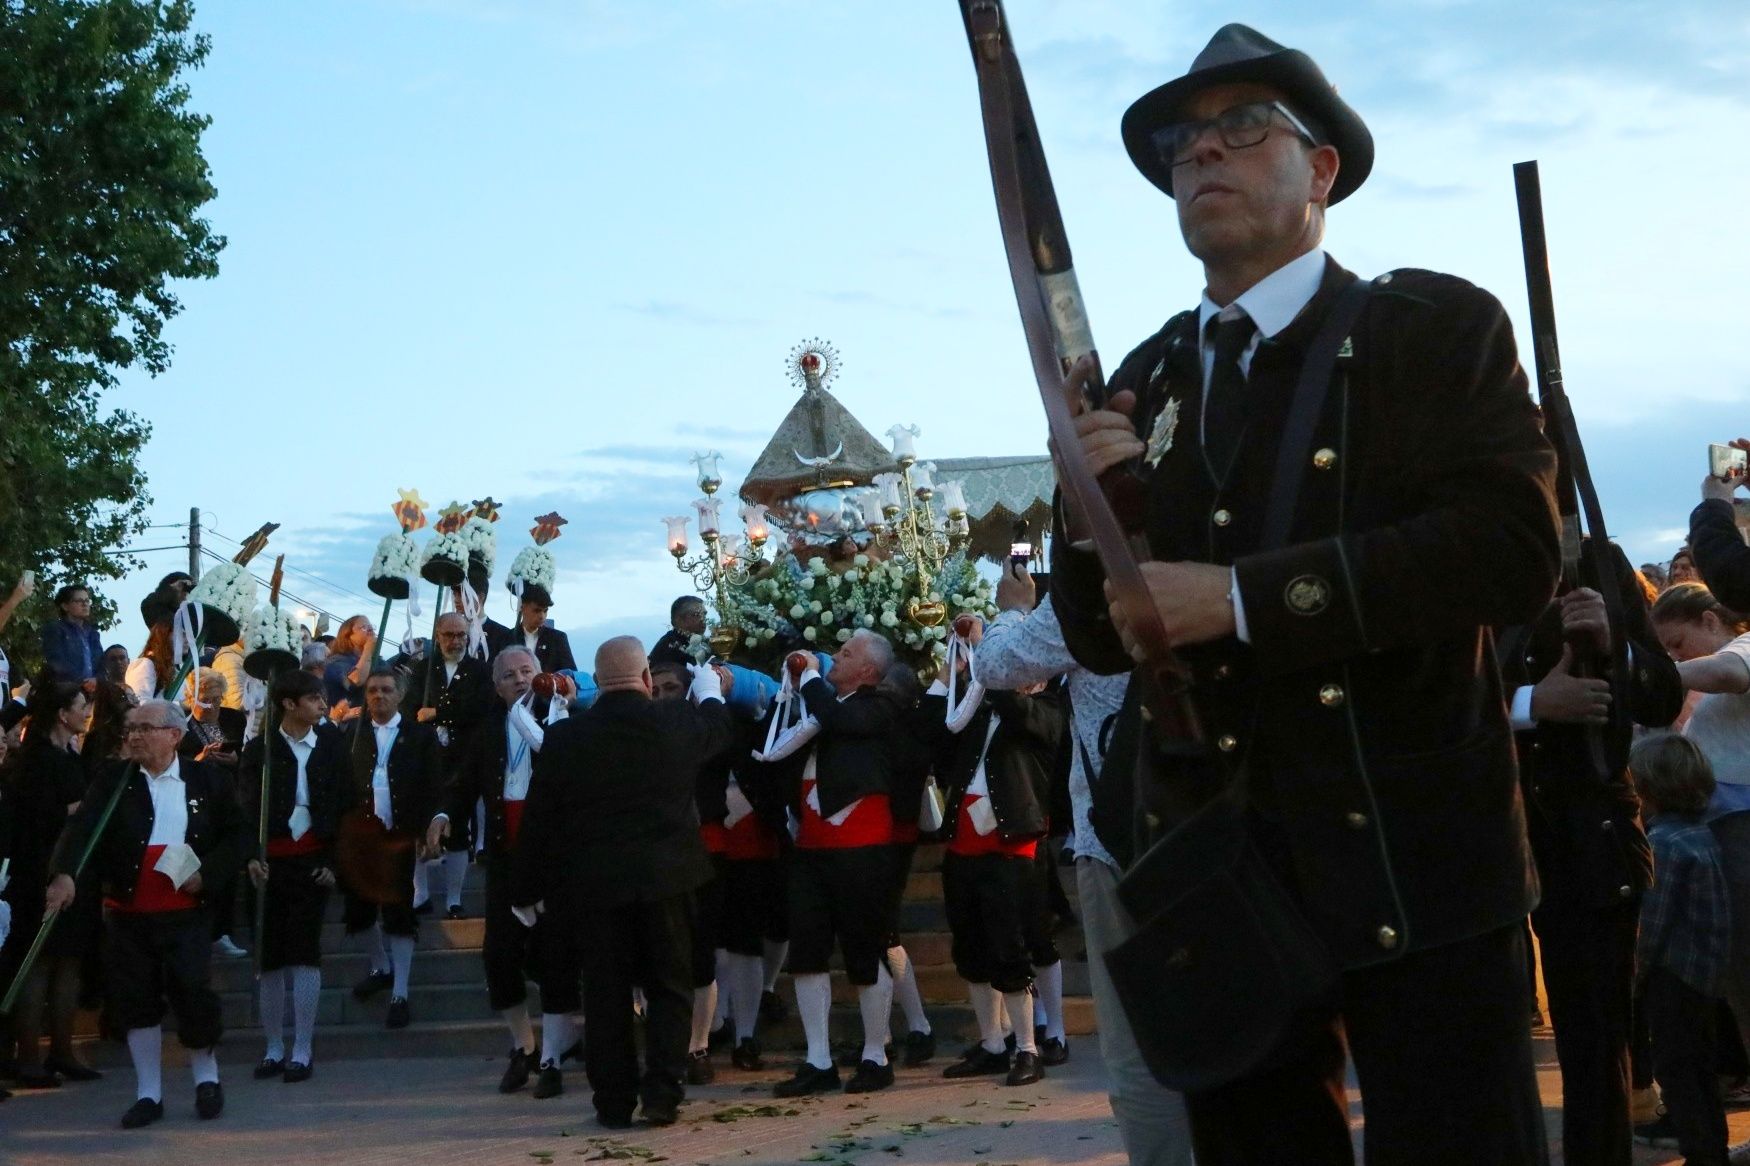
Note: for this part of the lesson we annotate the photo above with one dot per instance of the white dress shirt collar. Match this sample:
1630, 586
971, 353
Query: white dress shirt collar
1274, 301
173, 771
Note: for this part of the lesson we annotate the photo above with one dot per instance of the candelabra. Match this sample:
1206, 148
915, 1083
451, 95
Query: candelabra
908, 526
724, 563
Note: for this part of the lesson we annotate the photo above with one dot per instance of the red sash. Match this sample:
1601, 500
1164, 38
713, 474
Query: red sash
748, 840
287, 848
969, 843
153, 893
869, 824
513, 821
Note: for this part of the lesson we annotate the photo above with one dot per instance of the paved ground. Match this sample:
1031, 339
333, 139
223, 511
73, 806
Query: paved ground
445, 1110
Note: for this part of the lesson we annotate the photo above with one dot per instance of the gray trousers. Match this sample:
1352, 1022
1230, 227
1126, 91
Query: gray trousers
1151, 1117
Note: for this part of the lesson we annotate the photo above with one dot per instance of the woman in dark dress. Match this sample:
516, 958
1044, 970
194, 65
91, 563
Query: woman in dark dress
45, 781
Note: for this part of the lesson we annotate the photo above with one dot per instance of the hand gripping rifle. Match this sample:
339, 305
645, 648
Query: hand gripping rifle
1587, 563
1065, 363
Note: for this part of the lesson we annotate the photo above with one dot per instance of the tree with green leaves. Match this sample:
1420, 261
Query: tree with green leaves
101, 185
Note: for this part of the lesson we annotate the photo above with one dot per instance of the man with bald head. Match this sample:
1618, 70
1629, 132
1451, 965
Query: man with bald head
841, 870
452, 693
612, 852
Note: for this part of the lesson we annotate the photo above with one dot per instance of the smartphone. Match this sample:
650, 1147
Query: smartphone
27, 577
1021, 547
1725, 462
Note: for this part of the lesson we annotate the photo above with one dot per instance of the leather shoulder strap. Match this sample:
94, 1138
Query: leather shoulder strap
1310, 391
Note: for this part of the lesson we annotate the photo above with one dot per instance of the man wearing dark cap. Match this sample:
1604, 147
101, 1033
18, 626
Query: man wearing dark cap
1345, 489
550, 646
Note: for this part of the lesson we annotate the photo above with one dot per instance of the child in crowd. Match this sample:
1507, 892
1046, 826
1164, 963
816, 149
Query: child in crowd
1684, 943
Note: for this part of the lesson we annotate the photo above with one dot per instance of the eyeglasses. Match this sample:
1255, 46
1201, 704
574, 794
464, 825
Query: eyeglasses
1239, 127
136, 730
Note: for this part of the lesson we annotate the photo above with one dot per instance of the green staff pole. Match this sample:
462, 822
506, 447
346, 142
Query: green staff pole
431, 651
382, 630
42, 933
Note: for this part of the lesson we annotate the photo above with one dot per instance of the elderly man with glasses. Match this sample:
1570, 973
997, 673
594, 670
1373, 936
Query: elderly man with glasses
177, 826
1343, 488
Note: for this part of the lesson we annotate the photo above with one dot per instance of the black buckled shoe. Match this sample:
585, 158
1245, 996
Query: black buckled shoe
209, 1099
551, 1082
746, 1055
920, 1047
850, 1056
700, 1071
1026, 1071
400, 1015
614, 1121
808, 1080
38, 1077
297, 1071
978, 1062
772, 1009
516, 1074
870, 1078
661, 1113
270, 1067
1054, 1052
372, 984
142, 1113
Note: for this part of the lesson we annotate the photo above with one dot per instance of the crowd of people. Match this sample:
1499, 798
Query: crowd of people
654, 845
1365, 758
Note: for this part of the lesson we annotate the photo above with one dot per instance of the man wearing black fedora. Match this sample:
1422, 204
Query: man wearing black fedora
1346, 488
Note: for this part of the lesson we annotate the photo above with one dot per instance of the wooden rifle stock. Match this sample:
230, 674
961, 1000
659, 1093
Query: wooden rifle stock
1065, 363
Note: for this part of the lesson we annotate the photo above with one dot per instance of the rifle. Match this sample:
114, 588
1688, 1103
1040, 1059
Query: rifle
1588, 562
1065, 362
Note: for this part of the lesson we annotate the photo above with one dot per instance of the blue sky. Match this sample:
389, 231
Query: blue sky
545, 249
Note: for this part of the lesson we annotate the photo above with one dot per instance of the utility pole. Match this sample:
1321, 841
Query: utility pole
194, 542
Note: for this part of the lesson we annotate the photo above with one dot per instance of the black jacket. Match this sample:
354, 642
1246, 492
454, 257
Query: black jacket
475, 772
462, 703
39, 783
415, 783
853, 756
552, 647
1720, 553
1017, 767
1585, 825
216, 829
329, 772
611, 817
671, 648
1365, 714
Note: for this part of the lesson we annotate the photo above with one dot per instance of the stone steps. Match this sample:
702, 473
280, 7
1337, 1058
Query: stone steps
448, 993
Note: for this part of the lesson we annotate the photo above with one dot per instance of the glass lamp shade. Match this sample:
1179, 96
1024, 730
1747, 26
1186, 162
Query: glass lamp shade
677, 534
707, 508
904, 443
923, 479
709, 464
953, 498
753, 516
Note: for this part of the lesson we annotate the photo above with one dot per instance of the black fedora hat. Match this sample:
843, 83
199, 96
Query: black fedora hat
1237, 54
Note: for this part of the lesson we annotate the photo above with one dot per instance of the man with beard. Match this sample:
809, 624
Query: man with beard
160, 950
613, 855
495, 768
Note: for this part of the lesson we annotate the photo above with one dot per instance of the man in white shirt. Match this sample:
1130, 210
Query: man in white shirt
303, 803
396, 781
172, 820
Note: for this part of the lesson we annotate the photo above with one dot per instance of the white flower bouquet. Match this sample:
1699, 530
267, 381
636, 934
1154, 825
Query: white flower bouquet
446, 559
271, 642
227, 593
532, 565
396, 562
480, 536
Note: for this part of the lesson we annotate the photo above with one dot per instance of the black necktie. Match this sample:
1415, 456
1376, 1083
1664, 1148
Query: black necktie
1224, 409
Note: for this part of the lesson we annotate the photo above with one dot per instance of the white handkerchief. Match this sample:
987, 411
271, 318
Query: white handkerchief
739, 806
527, 915
837, 819
984, 819
299, 822
178, 863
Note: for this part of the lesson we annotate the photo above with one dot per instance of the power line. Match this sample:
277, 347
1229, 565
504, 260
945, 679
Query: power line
295, 598
310, 575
